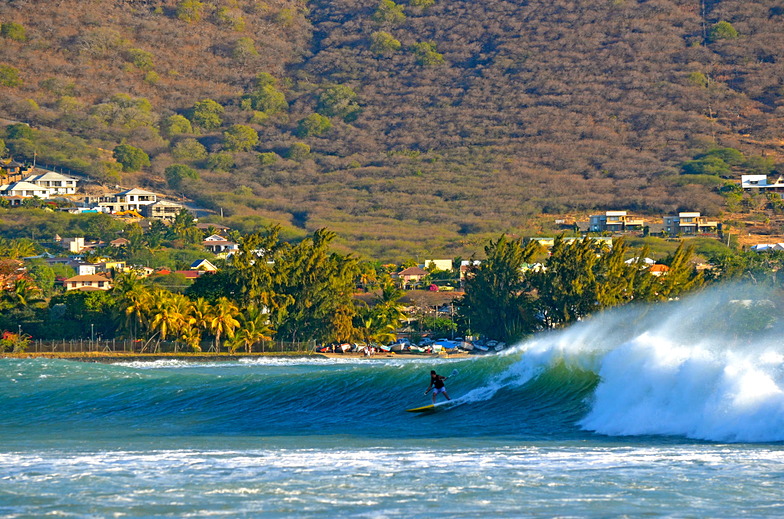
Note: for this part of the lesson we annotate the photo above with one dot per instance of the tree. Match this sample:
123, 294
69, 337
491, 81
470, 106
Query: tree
709, 165
388, 12
722, 31
339, 101
13, 31
314, 125
383, 44
498, 301
131, 158
176, 125
19, 131
298, 151
427, 55
190, 150
254, 328
206, 114
244, 50
9, 76
267, 99
240, 138
189, 10
177, 172
223, 320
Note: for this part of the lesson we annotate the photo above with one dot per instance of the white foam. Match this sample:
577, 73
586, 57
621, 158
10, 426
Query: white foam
705, 367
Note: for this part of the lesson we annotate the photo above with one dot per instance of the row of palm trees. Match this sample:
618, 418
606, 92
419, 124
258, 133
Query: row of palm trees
156, 314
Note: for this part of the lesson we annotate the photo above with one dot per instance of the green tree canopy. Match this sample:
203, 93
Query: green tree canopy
177, 172
207, 114
189, 10
427, 55
131, 158
339, 101
313, 125
240, 138
175, 125
722, 31
268, 99
189, 150
383, 44
497, 301
13, 31
390, 13
9, 76
298, 151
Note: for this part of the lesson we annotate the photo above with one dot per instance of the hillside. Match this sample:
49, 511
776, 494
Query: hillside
412, 128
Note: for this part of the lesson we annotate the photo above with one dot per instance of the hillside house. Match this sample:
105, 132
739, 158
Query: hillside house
689, 223
162, 210
88, 282
130, 200
21, 190
614, 221
13, 171
217, 244
55, 183
203, 264
411, 275
759, 184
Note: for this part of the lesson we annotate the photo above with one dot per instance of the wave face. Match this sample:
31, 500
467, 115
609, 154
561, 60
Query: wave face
709, 368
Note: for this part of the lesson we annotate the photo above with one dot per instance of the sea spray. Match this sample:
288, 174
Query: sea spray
706, 367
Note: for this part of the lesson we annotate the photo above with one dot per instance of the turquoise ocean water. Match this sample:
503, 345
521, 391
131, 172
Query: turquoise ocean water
645, 412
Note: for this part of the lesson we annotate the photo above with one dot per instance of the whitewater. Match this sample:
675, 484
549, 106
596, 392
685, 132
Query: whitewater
670, 410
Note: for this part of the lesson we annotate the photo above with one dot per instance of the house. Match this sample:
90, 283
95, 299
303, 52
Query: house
120, 242
439, 264
411, 275
23, 190
768, 247
129, 200
88, 282
71, 244
13, 171
190, 274
203, 264
658, 269
614, 221
162, 210
98, 268
759, 183
217, 244
55, 183
689, 223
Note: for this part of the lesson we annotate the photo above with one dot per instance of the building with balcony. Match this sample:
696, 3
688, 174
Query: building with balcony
689, 223
615, 221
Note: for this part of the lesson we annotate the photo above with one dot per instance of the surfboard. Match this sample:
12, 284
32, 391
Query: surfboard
422, 409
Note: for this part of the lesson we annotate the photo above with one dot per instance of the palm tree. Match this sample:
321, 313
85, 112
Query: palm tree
253, 329
223, 320
172, 314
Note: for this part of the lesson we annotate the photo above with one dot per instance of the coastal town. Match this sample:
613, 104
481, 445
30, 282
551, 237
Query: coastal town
429, 292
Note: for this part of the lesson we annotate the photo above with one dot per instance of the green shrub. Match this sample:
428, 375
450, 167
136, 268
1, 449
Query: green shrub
314, 125
722, 31
13, 31
9, 76
131, 158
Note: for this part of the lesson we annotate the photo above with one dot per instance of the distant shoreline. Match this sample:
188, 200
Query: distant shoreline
110, 358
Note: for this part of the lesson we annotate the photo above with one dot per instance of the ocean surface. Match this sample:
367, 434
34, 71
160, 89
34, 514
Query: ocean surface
668, 411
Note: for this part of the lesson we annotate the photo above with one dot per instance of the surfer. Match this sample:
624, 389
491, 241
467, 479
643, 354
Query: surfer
437, 384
